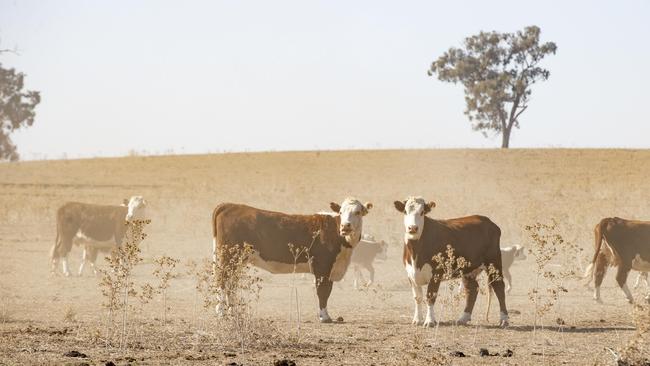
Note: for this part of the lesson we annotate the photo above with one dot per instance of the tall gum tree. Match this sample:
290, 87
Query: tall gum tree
497, 71
17, 108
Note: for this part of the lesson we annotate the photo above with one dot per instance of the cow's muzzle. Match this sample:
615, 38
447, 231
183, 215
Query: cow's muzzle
412, 229
345, 229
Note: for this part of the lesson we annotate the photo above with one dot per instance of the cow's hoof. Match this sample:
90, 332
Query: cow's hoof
326, 320
464, 319
416, 322
504, 320
429, 323
66, 274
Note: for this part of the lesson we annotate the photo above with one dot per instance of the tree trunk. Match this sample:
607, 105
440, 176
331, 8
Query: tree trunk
505, 138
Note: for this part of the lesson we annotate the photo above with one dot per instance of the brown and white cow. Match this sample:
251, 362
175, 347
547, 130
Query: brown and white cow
475, 238
627, 245
364, 254
96, 227
327, 239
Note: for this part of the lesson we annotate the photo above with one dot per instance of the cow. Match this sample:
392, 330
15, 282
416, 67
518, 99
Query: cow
627, 246
364, 255
508, 256
325, 242
96, 227
475, 238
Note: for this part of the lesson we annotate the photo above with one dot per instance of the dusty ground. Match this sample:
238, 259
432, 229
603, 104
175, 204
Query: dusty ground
514, 188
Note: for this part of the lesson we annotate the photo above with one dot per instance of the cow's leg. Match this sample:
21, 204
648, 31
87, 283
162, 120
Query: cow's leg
600, 268
92, 258
638, 280
418, 299
621, 278
432, 293
507, 277
471, 292
219, 271
641, 275
323, 290
84, 256
371, 274
60, 250
357, 274
496, 282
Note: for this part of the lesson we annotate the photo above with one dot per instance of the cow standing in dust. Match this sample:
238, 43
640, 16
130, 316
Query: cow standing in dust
366, 252
96, 227
627, 246
325, 243
475, 238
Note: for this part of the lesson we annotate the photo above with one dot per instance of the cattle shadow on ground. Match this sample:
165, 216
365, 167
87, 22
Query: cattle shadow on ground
568, 329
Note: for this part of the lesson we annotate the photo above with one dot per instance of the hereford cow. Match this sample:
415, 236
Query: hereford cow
364, 255
627, 245
324, 241
96, 227
474, 238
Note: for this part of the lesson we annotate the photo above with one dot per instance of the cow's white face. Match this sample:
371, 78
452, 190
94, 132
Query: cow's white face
351, 212
137, 208
414, 210
520, 253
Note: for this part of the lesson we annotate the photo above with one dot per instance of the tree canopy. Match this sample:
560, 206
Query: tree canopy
17, 109
497, 71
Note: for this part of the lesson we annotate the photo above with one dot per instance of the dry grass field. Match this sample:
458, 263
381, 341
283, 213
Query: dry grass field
44, 316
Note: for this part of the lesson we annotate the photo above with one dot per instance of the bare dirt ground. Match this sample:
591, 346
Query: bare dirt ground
44, 316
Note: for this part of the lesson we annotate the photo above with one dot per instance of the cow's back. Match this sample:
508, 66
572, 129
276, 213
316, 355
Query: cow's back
627, 237
270, 232
365, 252
97, 222
475, 238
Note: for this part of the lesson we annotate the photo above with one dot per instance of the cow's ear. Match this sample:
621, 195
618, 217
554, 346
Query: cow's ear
335, 207
367, 207
125, 202
430, 205
399, 205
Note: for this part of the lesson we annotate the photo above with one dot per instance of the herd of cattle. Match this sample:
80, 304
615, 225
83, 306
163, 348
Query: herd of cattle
327, 243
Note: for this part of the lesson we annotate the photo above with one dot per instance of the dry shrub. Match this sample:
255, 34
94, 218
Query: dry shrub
116, 283
236, 286
637, 349
554, 264
449, 268
164, 272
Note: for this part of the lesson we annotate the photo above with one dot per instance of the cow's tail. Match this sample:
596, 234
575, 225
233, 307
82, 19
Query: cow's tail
598, 242
215, 213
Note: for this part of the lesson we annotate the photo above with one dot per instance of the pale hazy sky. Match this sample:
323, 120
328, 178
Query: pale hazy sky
285, 75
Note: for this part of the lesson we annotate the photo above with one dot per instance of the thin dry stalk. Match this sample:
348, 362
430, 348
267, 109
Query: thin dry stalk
164, 272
